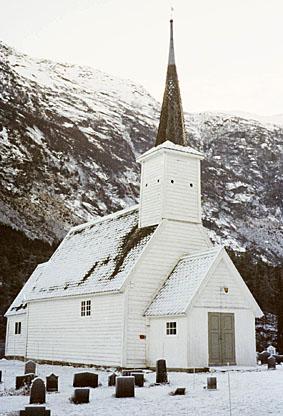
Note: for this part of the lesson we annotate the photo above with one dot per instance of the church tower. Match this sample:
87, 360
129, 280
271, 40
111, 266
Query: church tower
170, 171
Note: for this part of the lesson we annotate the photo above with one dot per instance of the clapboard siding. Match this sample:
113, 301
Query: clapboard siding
170, 188
171, 240
181, 200
16, 343
57, 332
151, 191
213, 294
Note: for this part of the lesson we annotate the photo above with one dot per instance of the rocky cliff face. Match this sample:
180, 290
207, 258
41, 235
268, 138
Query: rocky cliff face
69, 137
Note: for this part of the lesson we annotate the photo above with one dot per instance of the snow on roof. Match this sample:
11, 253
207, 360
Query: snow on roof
19, 304
171, 146
93, 257
182, 284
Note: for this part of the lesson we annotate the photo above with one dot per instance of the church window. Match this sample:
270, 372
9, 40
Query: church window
18, 328
86, 308
171, 328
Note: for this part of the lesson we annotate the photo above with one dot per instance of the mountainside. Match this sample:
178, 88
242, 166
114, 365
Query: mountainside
69, 137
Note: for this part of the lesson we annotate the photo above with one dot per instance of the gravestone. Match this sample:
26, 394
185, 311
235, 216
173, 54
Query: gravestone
112, 379
139, 379
263, 356
161, 371
22, 381
52, 383
271, 363
37, 392
211, 383
30, 367
35, 411
85, 379
125, 386
180, 391
80, 396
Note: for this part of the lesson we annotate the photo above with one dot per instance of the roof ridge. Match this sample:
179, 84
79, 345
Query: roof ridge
216, 249
104, 218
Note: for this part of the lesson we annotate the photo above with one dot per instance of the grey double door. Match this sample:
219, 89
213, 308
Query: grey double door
221, 338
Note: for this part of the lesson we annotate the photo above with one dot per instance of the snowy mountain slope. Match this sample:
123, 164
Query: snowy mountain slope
69, 136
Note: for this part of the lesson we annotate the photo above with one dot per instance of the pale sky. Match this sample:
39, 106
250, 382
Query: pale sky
229, 52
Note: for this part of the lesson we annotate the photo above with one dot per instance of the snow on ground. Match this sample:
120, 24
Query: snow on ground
256, 392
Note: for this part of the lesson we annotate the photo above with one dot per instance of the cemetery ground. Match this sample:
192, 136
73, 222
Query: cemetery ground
254, 391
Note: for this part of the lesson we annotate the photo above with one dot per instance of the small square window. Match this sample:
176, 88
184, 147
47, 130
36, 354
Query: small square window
171, 328
86, 308
18, 328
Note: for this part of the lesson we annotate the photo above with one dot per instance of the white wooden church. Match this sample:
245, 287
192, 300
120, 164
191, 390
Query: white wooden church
144, 283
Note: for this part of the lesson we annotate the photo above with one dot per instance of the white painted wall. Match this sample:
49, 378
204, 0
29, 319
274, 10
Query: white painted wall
151, 190
172, 348
193, 348
245, 348
170, 187
16, 344
181, 201
57, 331
171, 240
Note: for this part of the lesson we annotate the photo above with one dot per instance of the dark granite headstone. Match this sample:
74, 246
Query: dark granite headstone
35, 411
139, 379
211, 383
263, 356
80, 396
125, 386
37, 392
112, 379
161, 371
22, 381
180, 391
85, 379
52, 383
30, 367
271, 363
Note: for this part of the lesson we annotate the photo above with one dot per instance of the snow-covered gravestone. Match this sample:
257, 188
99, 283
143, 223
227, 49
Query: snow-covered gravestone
30, 367
22, 381
112, 379
139, 378
52, 383
85, 379
37, 392
35, 411
211, 383
125, 386
161, 371
271, 350
271, 363
80, 396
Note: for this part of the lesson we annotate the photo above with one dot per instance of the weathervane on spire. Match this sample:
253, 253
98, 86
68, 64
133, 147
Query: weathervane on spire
172, 12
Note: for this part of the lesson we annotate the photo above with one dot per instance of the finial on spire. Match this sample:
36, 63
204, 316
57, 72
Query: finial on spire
171, 124
171, 60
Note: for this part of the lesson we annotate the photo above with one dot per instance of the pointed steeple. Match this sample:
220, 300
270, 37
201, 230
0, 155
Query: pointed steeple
171, 124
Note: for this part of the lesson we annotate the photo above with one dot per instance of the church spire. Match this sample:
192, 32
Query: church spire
171, 124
